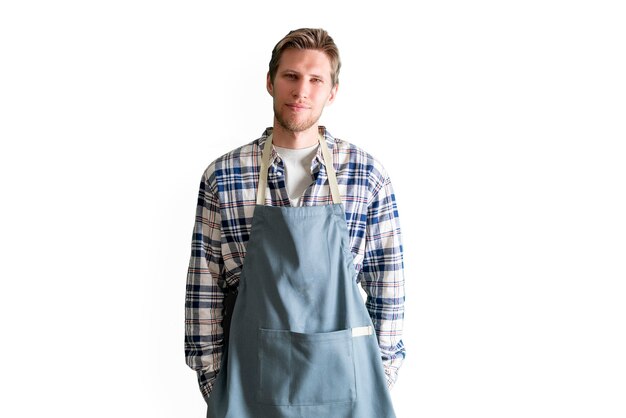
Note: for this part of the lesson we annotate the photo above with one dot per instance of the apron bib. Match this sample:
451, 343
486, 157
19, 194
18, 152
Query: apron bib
302, 344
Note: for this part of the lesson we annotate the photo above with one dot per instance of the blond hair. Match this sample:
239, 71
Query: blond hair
307, 38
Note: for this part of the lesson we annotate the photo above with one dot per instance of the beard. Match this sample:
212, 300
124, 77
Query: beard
291, 125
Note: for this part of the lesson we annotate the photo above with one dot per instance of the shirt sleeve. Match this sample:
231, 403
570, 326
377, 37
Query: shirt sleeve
204, 298
382, 277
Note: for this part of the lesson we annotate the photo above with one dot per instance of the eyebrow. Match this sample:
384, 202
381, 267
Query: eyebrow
287, 70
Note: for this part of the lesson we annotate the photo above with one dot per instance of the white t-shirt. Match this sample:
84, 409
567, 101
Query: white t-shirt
297, 170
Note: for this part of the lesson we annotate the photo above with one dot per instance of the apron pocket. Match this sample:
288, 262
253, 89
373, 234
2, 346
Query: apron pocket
306, 369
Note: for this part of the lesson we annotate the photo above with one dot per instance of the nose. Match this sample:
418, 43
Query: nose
300, 89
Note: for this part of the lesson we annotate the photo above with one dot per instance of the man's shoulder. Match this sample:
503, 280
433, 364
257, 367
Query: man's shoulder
237, 160
358, 159
352, 150
242, 153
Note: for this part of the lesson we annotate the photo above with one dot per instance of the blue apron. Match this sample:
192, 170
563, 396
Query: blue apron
302, 343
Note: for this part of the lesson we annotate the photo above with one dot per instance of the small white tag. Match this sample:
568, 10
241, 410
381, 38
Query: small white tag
361, 331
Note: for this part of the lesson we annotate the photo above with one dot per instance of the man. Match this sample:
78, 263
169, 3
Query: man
293, 221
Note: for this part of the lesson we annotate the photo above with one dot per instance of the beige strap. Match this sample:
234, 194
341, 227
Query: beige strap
330, 171
362, 331
265, 163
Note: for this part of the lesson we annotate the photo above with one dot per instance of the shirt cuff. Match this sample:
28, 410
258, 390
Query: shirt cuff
206, 381
391, 374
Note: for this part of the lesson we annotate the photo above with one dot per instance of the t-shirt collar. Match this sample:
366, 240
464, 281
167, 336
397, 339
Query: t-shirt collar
318, 159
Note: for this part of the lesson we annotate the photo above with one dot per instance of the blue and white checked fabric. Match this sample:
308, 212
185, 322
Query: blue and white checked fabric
224, 213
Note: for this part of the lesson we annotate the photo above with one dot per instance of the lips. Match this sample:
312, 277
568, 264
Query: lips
298, 106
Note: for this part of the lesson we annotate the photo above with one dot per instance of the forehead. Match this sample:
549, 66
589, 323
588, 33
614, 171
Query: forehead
306, 61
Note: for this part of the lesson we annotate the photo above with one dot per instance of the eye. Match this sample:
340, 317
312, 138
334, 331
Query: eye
317, 80
290, 76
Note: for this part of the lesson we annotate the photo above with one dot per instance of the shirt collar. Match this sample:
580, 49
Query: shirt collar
318, 159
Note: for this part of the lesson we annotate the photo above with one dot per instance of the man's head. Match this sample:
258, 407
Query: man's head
307, 38
303, 78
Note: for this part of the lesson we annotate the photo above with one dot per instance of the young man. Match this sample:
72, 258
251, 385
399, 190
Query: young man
295, 221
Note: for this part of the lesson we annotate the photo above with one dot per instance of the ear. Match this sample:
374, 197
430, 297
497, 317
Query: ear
269, 86
333, 94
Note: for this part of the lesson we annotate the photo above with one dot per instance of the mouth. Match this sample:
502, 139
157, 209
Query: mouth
297, 106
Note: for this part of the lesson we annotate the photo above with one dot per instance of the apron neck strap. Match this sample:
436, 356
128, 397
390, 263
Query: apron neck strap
265, 163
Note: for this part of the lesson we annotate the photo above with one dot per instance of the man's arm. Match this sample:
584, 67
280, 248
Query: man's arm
204, 298
382, 277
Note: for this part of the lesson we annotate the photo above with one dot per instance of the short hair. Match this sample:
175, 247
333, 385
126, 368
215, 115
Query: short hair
307, 38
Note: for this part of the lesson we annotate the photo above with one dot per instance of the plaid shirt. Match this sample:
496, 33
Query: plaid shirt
226, 204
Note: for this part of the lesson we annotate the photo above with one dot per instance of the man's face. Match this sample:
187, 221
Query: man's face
302, 88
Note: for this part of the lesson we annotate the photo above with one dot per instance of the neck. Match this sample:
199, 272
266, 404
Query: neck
288, 139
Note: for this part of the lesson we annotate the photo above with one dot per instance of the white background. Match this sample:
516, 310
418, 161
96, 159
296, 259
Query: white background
501, 123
